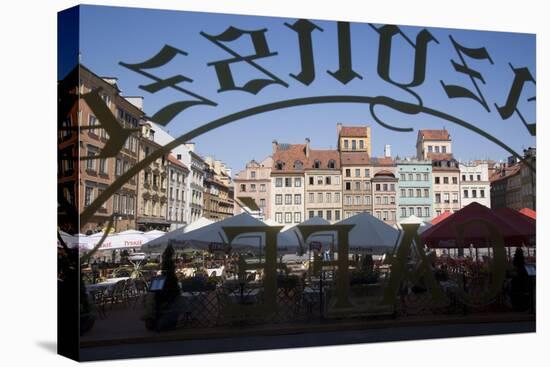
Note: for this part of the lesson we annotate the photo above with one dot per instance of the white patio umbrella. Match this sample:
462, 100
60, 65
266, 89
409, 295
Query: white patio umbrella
122, 240
370, 233
199, 223
413, 219
292, 234
155, 233
80, 241
202, 237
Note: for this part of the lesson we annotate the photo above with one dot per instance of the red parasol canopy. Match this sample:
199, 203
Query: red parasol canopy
529, 212
441, 217
515, 230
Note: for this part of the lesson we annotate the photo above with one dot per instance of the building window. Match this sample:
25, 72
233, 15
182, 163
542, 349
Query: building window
367, 200
479, 177
348, 172
348, 200
118, 167
288, 217
411, 211
444, 149
436, 180
357, 185
297, 217
336, 197
298, 165
346, 144
474, 193
279, 165
328, 197
329, 215
402, 177
319, 180
320, 197
88, 195
438, 198
337, 215
288, 182
418, 193
298, 182
465, 193
403, 212
411, 193
103, 166
253, 174
332, 163
445, 180
455, 180
427, 212
327, 180
279, 217
243, 187
311, 214
430, 149
357, 172
377, 187
348, 186
262, 188
288, 199
311, 197
426, 193
278, 199
320, 213
446, 198
353, 145
403, 193
463, 178
297, 199
455, 197
253, 187
337, 180
481, 193
419, 212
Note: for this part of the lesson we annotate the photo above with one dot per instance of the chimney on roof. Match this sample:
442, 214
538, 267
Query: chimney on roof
274, 146
387, 151
307, 147
338, 128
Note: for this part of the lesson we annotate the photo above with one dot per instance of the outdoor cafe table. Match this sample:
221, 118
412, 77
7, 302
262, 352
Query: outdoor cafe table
109, 283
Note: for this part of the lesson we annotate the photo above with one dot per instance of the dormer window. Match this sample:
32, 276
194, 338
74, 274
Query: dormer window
279, 165
332, 163
317, 164
298, 165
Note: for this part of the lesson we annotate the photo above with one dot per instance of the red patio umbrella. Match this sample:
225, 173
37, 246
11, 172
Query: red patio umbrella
515, 231
441, 217
529, 212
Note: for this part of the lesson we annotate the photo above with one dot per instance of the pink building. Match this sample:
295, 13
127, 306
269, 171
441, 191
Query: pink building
253, 188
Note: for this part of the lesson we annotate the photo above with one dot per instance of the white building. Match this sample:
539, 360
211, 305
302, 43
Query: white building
474, 183
182, 154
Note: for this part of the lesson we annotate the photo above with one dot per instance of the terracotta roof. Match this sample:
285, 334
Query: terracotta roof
351, 131
509, 171
324, 156
354, 159
362, 158
382, 161
440, 156
287, 154
176, 162
434, 134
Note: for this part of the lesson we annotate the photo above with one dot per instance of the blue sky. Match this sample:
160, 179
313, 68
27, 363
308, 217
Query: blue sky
109, 35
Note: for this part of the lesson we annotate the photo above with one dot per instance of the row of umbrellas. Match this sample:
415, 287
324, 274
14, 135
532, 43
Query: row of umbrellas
368, 233
518, 228
126, 239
